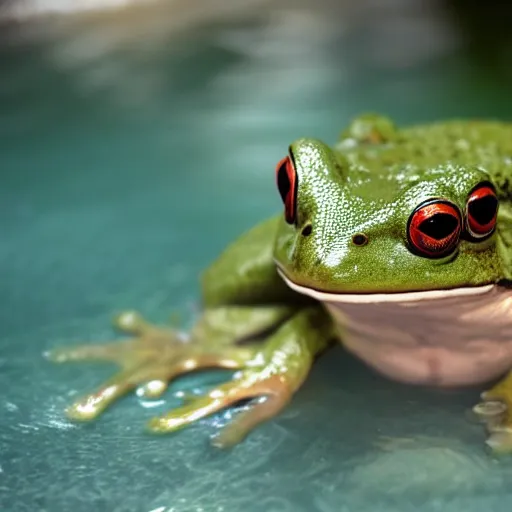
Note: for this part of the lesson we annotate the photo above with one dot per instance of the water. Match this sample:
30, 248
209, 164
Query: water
125, 169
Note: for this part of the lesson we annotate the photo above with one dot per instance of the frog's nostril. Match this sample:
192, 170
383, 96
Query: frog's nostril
360, 239
306, 230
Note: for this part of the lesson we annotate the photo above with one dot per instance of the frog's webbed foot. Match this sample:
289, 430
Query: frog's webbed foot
270, 377
148, 361
496, 412
273, 393
270, 372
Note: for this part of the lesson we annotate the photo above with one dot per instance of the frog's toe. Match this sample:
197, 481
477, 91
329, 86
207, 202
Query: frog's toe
92, 405
131, 322
86, 352
153, 389
490, 409
493, 414
85, 409
500, 439
263, 410
194, 410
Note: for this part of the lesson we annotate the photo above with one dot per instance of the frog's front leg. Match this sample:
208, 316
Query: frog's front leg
272, 370
496, 410
273, 373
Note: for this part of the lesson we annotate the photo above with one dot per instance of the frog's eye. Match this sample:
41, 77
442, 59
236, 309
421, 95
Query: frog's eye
481, 211
434, 228
286, 176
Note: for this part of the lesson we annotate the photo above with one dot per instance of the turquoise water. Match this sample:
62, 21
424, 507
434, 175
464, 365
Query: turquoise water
121, 179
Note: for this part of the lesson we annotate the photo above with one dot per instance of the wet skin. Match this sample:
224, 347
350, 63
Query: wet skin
390, 229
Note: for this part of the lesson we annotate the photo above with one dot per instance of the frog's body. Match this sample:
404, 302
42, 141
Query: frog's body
392, 243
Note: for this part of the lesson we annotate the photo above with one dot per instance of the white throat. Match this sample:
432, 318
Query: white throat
440, 337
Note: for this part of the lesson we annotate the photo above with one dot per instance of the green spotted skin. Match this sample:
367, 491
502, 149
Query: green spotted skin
370, 183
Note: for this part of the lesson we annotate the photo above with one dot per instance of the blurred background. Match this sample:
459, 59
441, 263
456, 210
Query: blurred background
136, 140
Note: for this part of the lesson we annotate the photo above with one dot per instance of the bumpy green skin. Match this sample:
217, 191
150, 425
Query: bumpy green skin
245, 273
370, 183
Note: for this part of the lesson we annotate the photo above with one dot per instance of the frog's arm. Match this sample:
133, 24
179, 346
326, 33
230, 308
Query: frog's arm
245, 273
274, 373
245, 301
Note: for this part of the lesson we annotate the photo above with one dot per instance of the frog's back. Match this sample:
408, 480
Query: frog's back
370, 148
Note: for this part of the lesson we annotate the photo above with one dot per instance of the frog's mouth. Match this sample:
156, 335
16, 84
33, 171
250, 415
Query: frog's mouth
371, 298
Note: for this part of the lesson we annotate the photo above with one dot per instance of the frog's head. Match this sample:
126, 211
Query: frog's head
351, 229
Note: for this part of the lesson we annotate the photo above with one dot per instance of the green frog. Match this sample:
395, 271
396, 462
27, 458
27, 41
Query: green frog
395, 242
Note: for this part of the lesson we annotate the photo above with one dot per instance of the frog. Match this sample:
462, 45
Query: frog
395, 242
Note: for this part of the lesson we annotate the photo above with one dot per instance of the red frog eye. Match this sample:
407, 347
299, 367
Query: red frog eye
434, 228
482, 211
286, 177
